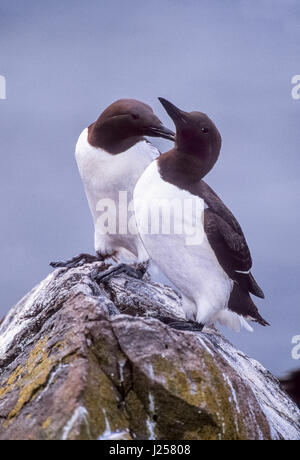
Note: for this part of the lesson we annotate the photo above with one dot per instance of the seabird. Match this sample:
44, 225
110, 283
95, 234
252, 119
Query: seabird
111, 155
214, 272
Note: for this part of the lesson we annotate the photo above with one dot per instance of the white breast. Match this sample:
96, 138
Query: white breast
189, 262
104, 176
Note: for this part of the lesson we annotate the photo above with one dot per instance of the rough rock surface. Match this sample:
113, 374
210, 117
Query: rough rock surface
83, 361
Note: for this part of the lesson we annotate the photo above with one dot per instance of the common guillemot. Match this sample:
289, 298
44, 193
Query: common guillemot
214, 274
111, 155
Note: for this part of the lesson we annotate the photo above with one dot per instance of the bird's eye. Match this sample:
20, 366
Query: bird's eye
204, 130
135, 116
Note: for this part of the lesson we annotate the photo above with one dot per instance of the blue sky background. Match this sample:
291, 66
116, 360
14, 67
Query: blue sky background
65, 61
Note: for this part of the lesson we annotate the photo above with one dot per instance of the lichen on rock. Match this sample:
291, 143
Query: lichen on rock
80, 360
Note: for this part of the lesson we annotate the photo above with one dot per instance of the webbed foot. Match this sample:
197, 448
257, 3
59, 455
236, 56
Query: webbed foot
182, 325
76, 261
121, 269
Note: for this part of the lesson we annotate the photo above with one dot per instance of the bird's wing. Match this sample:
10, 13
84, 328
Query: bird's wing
227, 240
230, 247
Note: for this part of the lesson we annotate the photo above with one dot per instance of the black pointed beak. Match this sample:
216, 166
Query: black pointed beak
161, 131
177, 115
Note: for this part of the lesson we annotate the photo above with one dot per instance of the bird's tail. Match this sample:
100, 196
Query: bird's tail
240, 302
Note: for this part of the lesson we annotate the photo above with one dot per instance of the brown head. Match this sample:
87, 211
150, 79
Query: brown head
197, 138
123, 124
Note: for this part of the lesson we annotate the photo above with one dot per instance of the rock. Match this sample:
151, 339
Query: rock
83, 361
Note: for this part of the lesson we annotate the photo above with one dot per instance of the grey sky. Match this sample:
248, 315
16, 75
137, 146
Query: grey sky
64, 61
